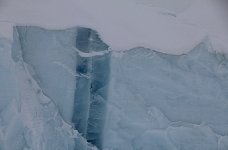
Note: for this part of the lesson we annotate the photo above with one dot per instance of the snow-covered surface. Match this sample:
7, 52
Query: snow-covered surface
210, 16
171, 5
125, 24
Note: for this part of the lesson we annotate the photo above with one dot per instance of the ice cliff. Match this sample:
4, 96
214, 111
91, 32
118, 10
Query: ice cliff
67, 89
168, 102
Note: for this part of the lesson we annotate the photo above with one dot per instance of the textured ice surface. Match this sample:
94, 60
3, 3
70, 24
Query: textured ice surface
167, 102
92, 86
52, 62
28, 119
72, 68
7, 79
62, 89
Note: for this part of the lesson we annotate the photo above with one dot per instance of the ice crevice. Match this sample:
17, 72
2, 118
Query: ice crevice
31, 127
81, 61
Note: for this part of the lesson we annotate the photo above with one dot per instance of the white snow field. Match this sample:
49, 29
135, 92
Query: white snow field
113, 75
170, 26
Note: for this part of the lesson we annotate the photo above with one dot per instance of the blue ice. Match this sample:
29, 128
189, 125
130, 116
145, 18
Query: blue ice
168, 102
138, 99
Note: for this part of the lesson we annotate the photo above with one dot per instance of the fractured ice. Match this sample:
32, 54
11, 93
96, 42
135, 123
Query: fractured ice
167, 102
28, 119
77, 84
61, 82
92, 86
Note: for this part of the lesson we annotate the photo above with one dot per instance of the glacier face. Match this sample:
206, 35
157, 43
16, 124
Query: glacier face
66, 66
28, 119
50, 55
92, 86
65, 89
167, 102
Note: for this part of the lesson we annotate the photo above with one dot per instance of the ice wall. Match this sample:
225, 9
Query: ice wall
29, 120
7, 89
61, 82
52, 62
168, 102
72, 68
92, 86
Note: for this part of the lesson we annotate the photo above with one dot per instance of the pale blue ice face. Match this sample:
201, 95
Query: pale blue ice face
141, 100
167, 102
78, 85
91, 87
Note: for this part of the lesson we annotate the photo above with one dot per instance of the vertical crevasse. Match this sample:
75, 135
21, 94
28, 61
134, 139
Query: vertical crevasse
92, 86
72, 68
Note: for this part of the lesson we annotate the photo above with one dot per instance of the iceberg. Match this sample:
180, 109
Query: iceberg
67, 89
72, 68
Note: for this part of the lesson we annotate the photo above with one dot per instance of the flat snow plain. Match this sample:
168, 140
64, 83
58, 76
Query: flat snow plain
173, 27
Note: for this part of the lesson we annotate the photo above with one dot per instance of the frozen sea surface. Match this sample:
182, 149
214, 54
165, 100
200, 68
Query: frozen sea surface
67, 89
